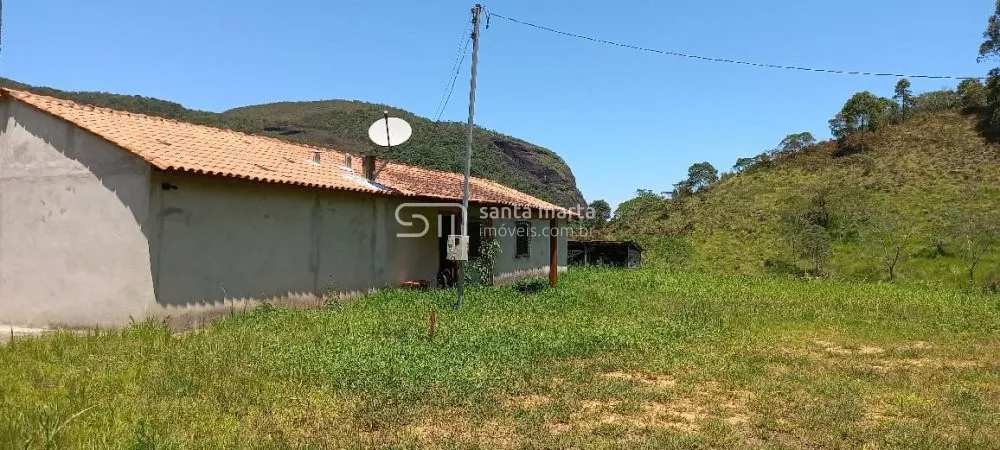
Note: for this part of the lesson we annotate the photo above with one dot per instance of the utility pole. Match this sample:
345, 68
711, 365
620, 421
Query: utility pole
468, 151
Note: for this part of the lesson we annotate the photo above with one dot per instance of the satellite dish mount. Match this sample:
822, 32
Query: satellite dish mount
386, 132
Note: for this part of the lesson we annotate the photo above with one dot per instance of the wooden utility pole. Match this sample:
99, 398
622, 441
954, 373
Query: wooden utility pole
476, 10
553, 252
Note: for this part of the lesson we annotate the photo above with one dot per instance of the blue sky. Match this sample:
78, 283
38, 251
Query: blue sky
623, 120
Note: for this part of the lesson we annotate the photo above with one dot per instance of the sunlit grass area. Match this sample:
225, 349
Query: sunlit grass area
608, 358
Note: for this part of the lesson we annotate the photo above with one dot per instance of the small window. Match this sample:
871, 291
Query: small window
523, 239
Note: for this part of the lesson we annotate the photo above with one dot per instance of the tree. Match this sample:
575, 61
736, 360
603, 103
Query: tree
598, 215
813, 243
743, 165
932, 101
700, 176
993, 99
990, 49
971, 93
974, 227
862, 113
635, 215
904, 96
794, 143
890, 236
807, 223
761, 160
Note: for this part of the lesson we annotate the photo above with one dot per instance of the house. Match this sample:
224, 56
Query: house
108, 216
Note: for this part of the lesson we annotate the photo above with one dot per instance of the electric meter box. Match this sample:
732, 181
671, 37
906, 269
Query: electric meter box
458, 247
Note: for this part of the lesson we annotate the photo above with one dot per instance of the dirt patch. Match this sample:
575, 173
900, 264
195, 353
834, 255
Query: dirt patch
558, 428
876, 415
686, 412
917, 345
883, 408
680, 415
912, 355
831, 347
648, 379
532, 401
457, 429
598, 405
889, 365
779, 369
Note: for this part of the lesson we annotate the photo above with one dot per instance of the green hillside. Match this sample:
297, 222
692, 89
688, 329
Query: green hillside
908, 188
343, 125
921, 195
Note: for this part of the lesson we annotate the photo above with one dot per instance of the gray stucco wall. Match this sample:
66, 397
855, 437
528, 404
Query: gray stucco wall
92, 235
72, 214
220, 239
509, 267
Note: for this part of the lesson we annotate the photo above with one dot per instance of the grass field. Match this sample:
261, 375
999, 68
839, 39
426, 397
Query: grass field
609, 358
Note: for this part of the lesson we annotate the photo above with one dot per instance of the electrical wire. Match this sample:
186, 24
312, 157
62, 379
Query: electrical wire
725, 60
450, 87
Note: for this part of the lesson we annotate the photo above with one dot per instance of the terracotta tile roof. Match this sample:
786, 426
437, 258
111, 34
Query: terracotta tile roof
172, 145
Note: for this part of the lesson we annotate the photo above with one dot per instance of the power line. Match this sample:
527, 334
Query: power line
450, 87
451, 84
724, 60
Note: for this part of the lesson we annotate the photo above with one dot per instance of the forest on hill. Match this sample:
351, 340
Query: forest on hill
343, 125
908, 188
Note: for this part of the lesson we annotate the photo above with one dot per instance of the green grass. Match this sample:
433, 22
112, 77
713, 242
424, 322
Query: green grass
609, 358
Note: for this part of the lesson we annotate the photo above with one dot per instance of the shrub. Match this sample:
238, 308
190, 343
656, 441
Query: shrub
531, 285
782, 267
972, 94
935, 101
480, 270
991, 282
932, 251
866, 272
664, 251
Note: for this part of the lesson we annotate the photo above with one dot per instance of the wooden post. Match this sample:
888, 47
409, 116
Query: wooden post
553, 252
489, 235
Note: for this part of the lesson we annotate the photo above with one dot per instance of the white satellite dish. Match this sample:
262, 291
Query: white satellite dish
389, 131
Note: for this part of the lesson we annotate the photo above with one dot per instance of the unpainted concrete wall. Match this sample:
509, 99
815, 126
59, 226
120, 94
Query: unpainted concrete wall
73, 211
219, 239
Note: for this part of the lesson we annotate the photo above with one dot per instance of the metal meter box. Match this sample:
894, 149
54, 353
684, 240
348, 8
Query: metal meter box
458, 247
